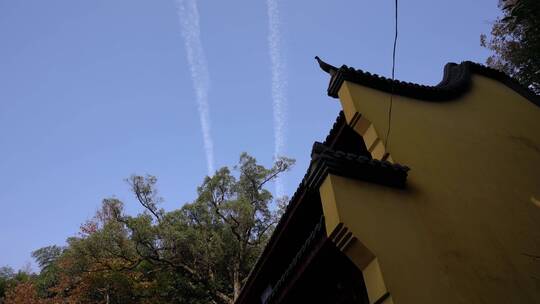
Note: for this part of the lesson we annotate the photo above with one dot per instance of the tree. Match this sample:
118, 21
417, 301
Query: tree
23, 293
48, 276
46, 256
17, 287
213, 242
6, 276
200, 253
515, 41
95, 267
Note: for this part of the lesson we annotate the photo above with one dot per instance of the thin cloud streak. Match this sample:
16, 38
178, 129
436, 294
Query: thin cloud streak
278, 84
188, 15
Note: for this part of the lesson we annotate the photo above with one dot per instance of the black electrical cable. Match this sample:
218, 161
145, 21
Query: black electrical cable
393, 76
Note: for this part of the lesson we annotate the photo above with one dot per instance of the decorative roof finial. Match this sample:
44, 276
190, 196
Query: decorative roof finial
328, 68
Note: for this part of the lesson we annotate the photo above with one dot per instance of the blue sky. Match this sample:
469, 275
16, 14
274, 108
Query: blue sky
94, 91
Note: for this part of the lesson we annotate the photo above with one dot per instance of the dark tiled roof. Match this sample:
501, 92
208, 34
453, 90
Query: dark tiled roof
336, 129
325, 160
456, 81
343, 138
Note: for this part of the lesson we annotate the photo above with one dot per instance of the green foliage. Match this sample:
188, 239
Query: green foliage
515, 40
200, 253
213, 242
6, 276
46, 256
48, 277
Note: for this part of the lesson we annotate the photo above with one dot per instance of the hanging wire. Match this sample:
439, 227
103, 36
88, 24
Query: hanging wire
393, 76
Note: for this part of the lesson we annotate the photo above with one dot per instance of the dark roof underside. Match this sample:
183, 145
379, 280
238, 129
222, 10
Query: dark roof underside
342, 153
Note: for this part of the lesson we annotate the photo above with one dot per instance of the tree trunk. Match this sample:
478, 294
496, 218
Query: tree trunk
237, 284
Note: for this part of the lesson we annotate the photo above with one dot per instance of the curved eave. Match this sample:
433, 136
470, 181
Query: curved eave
456, 82
325, 159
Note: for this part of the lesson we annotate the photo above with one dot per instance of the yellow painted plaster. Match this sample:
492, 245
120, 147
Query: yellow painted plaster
466, 230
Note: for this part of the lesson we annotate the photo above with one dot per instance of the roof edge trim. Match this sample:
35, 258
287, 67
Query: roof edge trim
456, 82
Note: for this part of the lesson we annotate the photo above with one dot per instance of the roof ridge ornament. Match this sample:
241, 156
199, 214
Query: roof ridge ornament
328, 68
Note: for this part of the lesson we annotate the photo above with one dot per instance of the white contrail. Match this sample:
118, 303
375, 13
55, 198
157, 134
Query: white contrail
191, 32
278, 83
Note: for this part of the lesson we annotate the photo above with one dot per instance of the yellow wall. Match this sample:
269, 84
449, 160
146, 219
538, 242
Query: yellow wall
467, 227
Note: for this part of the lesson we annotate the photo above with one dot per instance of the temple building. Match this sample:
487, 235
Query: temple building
442, 208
